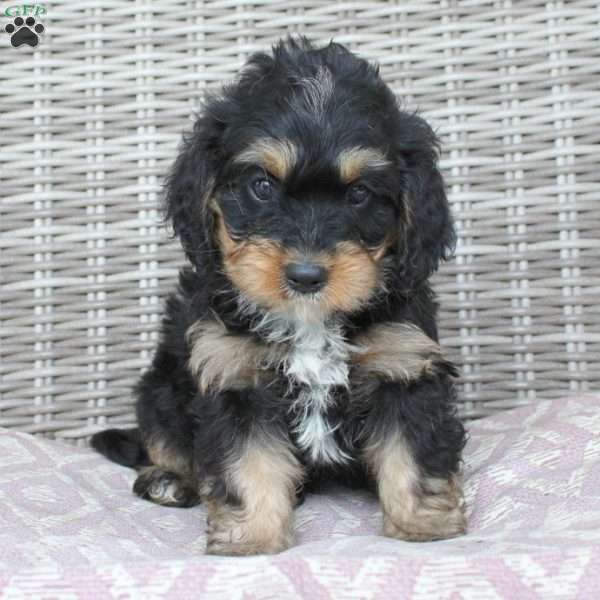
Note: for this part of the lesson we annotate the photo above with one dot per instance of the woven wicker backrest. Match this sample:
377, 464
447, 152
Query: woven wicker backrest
89, 123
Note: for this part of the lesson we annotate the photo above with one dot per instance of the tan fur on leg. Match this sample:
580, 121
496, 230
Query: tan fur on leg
265, 478
415, 507
221, 360
162, 455
397, 351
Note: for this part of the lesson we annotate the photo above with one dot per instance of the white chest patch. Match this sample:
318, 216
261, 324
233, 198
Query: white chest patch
318, 362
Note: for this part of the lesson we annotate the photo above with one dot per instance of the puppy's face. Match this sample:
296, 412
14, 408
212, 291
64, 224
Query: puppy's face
303, 226
305, 176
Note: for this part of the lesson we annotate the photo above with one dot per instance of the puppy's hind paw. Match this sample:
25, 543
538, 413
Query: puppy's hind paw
165, 488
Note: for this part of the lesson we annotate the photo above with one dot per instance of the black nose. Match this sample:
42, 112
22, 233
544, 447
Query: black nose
306, 278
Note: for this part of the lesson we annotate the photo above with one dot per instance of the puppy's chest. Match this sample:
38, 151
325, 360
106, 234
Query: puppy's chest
317, 368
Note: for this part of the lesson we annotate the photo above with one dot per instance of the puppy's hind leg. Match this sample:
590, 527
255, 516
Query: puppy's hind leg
166, 485
166, 435
168, 481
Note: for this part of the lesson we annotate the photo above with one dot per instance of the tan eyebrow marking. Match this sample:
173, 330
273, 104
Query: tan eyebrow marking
278, 157
352, 162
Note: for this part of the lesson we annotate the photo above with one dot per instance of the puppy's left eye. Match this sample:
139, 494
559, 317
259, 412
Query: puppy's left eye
263, 188
358, 195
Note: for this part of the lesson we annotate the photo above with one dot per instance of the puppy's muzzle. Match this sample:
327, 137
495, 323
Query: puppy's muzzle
306, 277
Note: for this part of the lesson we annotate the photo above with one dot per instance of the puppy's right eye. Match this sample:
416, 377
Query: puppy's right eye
262, 188
359, 195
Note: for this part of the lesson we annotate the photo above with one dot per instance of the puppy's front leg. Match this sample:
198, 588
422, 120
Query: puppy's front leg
263, 478
413, 446
253, 488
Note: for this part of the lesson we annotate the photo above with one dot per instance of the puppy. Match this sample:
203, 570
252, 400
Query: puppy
301, 344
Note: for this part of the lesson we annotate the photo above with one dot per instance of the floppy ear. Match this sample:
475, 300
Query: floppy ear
429, 235
189, 188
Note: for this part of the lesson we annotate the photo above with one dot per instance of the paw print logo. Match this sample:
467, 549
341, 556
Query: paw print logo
24, 31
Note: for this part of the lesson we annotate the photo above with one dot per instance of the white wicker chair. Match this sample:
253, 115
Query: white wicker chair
90, 119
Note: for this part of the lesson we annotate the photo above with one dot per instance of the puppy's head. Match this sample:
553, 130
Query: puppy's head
308, 187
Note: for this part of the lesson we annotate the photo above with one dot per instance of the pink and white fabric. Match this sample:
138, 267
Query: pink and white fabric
71, 528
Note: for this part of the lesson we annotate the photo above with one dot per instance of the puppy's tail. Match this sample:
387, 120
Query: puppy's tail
123, 446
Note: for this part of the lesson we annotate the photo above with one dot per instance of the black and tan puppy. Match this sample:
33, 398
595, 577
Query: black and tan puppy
302, 343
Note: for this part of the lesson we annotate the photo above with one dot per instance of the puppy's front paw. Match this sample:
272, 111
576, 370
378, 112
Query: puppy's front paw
437, 525
235, 543
234, 532
437, 512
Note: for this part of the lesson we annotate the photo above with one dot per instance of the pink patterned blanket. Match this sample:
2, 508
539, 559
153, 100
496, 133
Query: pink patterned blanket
71, 528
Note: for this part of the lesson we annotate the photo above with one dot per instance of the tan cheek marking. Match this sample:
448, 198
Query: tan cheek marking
396, 351
254, 266
353, 277
353, 162
278, 157
257, 271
